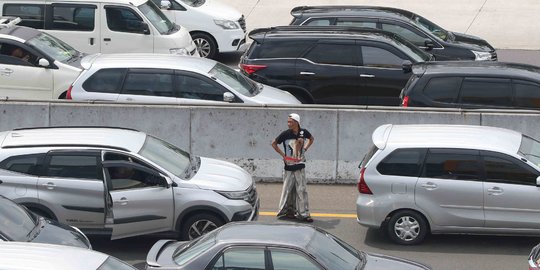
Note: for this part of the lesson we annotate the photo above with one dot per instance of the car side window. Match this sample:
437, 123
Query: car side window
73, 166
486, 91
319, 22
527, 94
281, 49
32, 15
507, 170
412, 36
443, 89
11, 54
123, 20
333, 54
356, 23
195, 88
455, 164
241, 259
149, 84
379, 57
402, 162
105, 81
27, 164
290, 260
124, 177
79, 18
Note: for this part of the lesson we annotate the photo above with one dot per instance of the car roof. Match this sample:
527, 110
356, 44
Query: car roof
447, 136
487, 68
24, 255
20, 33
117, 138
147, 60
125, 2
365, 11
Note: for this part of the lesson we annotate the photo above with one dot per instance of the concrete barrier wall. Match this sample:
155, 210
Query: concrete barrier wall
243, 134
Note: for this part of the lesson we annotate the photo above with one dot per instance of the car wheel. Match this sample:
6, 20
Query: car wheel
198, 225
206, 45
407, 228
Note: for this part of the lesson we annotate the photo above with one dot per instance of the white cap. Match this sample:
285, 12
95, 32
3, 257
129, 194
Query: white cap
295, 117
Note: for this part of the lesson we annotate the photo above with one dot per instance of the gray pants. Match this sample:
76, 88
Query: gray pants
294, 197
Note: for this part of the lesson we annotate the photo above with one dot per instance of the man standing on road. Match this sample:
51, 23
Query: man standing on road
296, 141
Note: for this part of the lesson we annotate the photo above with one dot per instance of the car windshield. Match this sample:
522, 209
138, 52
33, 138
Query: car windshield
530, 149
112, 263
53, 47
193, 3
429, 26
410, 49
194, 248
234, 80
15, 222
334, 252
166, 155
157, 18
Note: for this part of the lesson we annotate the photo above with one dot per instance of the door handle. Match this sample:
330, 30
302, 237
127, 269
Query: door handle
1, 181
429, 186
91, 41
122, 201
307, 73
495, 191
107, 39
49, 185
367, 76
129, 99
6, 71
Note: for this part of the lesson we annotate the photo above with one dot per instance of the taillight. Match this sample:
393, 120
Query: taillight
362, 186
68, 94
405, 102
250, 69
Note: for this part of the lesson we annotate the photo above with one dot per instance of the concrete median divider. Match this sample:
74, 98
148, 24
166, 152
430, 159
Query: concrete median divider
242, 134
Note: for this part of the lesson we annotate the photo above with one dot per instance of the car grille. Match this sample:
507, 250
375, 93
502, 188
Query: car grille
242, 23
252, 195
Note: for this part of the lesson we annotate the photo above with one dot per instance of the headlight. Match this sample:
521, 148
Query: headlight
235, 195
179, 51
481, 56
226, 24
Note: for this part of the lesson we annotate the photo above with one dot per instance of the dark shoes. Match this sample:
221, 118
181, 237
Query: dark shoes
307, 219
286, 216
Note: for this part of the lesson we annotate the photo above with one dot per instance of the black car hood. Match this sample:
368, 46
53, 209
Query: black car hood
52, 232
470, 42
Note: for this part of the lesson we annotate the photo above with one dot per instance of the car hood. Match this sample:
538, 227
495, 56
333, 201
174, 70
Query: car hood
378, 261
221, 175
471, 42
161, 254
271, 95
53, 232
219, 11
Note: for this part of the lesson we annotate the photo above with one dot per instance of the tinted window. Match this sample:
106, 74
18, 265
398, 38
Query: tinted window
506, 170
31, 15
74, 166
527, 94
149, 84
377, 57
282, 49
73, 18
409, 35
24, 164
319, 22
241, 258
336, 54
288, 260
356, 22
105, 81
452, 164
495, 92
403, 162
128, 177
123, 20
443, 89
197, 88
16, 55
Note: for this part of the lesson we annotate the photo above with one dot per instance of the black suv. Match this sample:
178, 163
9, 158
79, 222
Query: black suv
444, 44
473, 85
332, 65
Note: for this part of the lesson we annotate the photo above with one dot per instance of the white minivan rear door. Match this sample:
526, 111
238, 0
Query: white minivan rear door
123, 30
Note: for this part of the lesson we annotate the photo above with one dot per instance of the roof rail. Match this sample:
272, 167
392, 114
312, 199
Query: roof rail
67, 127
292, 28
6, 22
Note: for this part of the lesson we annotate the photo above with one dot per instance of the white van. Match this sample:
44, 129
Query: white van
106, 26
214, 26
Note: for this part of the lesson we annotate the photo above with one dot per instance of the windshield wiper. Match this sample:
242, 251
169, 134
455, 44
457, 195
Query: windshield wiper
35, 231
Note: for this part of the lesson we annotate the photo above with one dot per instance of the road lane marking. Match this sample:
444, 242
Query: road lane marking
327, 215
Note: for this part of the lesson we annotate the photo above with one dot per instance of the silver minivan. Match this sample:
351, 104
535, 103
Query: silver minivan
121, 182
418, 179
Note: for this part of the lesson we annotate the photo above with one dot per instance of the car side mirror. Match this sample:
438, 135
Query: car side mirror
406, 66
538, 181
228, 97
44, 62
428, 43
145, 29
165, 4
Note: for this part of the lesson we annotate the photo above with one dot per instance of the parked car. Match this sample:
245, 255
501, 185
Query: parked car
214, 26
24, 256
250, 246
19, 224
473, 85
332, 65
151, 78
443, 44
106, 26
418, 179
534, 258
29, 53
121, 182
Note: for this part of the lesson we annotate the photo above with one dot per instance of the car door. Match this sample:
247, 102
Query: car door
147, 85
194, 88
329, 70
71, 185
15, 71
510, 192
142, 199
381, 73
450, 189
124, 30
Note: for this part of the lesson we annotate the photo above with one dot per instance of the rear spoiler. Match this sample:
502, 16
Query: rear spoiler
88, 60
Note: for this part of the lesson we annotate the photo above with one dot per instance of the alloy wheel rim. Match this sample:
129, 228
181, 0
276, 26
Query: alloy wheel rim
200, 228
407, 228
203, 46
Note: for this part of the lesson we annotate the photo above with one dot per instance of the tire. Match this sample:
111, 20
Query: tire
199, 224
206, 45
407, 228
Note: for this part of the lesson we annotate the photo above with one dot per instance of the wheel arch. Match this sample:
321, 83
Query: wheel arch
187, 213
387, 218
41, 208
297, 90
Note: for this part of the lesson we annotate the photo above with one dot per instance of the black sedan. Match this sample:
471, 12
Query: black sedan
262, 246
19, 224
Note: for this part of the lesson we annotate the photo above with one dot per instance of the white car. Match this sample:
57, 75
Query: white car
214, 26
168, 79
33, 64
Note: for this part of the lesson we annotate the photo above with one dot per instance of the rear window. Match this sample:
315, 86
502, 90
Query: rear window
281, 49
443, 89
367, 157
402, 162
